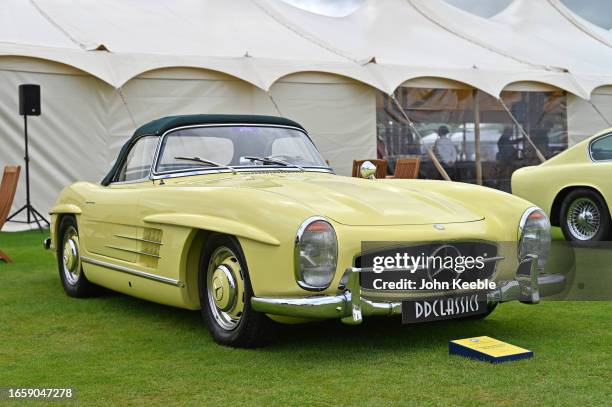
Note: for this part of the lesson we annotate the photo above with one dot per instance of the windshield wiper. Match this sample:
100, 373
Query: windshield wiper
204, 161
274, 161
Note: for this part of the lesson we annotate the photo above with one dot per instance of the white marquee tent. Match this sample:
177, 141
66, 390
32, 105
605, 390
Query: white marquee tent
107, 66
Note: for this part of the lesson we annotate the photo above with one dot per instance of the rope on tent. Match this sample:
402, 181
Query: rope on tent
430, 153
600, 113
59, 27
523, 132
274, 102
477, 42
310, 38
127, 108
569, 16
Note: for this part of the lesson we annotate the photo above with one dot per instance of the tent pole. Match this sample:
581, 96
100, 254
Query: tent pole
430, 153
269, 92
477, 159
600, 113
523, 132
464, 141
127, 108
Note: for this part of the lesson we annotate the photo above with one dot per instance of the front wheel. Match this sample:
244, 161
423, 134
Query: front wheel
225, 294
584, 216
69, 260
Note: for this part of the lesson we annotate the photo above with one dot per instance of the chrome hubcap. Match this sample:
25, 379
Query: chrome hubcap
225, 288
583, 219
71, 259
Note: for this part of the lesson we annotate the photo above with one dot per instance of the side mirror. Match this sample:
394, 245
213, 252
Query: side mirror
367, 170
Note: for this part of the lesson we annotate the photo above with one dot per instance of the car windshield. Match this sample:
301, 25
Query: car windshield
236, 147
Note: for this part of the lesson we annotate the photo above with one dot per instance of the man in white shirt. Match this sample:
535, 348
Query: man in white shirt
444, 147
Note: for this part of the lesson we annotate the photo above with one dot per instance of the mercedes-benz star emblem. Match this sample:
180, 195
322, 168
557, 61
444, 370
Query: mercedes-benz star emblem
442, 252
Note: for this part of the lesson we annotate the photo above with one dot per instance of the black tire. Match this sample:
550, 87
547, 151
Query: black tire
251, 329
587, 197
75, 284
490, 309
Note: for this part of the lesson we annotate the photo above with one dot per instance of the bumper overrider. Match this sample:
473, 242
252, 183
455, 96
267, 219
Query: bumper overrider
351, 307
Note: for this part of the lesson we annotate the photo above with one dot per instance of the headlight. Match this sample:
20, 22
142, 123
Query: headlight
534, 235
316, 254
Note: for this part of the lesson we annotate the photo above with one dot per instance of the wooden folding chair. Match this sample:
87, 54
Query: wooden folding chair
407, 168
10, 178
381, 167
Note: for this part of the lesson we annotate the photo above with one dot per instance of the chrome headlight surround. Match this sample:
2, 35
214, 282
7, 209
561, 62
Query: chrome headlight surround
534, 235
315, 254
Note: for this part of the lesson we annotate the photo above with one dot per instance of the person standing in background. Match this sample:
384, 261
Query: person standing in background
445, 151
506, 159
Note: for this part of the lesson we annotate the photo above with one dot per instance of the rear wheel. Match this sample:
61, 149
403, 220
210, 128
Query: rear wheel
225, 295
584, 216
69, 260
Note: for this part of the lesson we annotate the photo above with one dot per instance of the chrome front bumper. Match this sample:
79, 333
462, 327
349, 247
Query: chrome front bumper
351, 307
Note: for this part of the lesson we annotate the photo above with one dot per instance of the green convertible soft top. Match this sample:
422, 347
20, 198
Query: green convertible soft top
160, 126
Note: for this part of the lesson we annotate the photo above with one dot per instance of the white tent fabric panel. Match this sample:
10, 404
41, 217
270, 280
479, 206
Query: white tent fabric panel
67, 143
340, 115
117, 40
182, 27
407, 43
21, 23
169, 92
583, 120
381, 28
535, 32
260, 41
581, 46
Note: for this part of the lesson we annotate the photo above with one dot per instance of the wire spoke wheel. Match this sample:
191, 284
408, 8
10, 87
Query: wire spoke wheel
71, 257
583, 218
225, 288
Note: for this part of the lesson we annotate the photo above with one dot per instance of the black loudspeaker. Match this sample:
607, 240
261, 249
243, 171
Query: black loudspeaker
29, 105
29, 100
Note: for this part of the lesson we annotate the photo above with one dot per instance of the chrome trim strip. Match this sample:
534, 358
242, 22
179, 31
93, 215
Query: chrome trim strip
138, 239
133, 251
148, 276
277, 170
140, 180
590, 151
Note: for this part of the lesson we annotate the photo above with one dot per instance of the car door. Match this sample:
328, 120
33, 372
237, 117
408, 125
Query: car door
110, 225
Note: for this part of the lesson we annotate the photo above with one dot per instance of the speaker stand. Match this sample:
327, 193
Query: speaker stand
32, 215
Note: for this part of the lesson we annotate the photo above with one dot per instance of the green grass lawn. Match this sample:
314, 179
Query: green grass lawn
120, 350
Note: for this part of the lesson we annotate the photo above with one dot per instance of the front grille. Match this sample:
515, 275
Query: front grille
432, 270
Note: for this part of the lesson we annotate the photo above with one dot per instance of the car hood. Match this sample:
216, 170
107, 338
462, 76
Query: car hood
359, 202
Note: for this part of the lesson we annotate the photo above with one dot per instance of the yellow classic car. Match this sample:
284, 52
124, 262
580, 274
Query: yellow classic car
241, 218
574, 188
